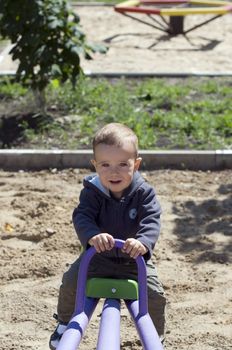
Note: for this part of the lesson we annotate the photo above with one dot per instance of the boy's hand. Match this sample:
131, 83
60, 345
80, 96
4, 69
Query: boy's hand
134, 248
102, 242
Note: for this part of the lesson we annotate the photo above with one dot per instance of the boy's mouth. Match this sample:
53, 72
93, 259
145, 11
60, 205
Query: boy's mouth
115, 182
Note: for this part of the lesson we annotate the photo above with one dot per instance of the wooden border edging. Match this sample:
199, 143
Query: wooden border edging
142, 75
25, 159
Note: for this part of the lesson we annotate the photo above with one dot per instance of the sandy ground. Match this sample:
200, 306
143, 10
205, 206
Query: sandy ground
136, 47
193, 257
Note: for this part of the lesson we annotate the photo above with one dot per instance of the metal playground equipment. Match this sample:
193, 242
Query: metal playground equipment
89, 293
176, 10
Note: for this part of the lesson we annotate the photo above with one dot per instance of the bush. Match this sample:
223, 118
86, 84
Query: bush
47, 40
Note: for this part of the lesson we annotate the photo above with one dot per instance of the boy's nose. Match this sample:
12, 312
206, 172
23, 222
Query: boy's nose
114, 170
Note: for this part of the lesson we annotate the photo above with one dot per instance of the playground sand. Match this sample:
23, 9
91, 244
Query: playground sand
192, 256
137, 48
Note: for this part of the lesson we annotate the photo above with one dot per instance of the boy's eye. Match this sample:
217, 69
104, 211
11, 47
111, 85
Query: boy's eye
123, 164
105, 165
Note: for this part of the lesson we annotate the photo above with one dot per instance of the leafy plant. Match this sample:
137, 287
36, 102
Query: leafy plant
47, 41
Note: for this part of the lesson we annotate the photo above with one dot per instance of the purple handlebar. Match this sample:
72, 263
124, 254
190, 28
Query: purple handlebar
82, 278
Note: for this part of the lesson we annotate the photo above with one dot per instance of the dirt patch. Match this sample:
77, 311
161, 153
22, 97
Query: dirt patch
193, 257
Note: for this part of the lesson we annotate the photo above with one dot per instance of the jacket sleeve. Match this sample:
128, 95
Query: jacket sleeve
149, 221
84, 216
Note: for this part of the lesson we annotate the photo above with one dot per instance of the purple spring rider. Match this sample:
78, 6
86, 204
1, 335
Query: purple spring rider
109, 331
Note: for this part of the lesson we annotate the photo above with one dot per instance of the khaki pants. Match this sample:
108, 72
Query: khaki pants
113, 268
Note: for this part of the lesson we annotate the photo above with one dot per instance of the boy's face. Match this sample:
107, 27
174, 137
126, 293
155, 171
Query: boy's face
116, 166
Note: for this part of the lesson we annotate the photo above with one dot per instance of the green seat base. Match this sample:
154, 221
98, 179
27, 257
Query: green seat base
112, 288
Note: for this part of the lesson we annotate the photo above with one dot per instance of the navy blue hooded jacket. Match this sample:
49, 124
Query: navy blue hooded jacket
135, 215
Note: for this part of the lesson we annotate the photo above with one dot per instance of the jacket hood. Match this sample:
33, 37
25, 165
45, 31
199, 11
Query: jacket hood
93, 181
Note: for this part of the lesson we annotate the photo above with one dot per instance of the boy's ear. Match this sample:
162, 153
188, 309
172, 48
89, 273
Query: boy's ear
93, 162
137, 163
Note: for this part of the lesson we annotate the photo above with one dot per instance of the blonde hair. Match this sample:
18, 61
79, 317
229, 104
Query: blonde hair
115, 134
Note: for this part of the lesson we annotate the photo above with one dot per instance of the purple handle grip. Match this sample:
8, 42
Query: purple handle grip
82, 278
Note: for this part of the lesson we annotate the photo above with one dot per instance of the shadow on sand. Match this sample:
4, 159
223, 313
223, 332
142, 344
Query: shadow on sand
199, 228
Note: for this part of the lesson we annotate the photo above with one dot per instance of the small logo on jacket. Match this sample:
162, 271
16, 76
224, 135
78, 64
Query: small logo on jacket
133, 213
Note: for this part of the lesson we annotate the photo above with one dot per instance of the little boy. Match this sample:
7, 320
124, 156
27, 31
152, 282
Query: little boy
115, 203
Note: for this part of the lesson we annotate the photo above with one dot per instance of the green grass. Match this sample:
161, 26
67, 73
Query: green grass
11, 90
165, 114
